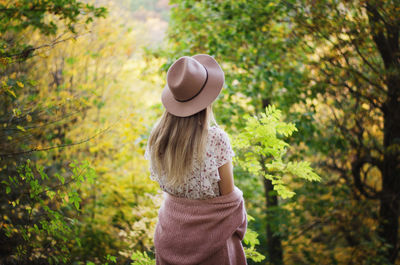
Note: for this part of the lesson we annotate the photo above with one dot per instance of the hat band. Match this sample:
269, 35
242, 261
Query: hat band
205, 82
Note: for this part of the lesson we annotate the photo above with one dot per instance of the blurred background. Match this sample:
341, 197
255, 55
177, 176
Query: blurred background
80, 85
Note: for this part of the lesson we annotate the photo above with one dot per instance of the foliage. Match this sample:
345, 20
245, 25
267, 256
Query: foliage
35, 14
262, 153
322, 220
40, 209
121, 207
64, 96
250, 239
355, 74
142, 259
260, 141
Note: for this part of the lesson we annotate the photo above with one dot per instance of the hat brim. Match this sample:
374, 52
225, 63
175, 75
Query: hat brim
209, 93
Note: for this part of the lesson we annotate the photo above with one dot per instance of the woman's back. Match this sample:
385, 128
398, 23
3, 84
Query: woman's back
202, 219
202, 182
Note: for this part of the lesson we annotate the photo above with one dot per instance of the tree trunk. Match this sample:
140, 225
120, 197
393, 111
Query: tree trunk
274, 244
386, 38
390, 196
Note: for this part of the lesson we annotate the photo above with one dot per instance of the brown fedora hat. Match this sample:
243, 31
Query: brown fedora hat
193, 83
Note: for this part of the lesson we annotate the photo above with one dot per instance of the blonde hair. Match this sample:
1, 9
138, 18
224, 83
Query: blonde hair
175, 143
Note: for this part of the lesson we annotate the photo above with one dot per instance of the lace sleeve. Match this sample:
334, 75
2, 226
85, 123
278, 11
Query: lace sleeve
223, 149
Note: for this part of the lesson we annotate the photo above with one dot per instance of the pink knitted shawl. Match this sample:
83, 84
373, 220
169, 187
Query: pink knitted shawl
201, 231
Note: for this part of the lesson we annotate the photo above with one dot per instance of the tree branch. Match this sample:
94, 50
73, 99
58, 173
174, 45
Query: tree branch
28, 52
58, 146
361, 186
377, 34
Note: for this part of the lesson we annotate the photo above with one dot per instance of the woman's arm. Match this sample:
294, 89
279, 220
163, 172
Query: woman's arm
226, 184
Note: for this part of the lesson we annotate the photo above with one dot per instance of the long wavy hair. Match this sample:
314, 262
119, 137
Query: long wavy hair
176, 142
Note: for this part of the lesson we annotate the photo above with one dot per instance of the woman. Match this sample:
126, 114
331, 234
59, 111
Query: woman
202, 219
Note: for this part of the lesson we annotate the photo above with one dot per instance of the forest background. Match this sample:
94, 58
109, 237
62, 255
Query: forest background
311, 101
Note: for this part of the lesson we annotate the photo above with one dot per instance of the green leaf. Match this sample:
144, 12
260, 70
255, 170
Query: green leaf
111, 258
252, 254
140, 258
262, 151
250, 238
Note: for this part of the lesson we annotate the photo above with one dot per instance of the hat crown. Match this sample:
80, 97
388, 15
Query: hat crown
186, 78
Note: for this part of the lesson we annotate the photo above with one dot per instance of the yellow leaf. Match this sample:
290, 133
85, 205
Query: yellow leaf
28, 118
11, 92
20, 84
21, 128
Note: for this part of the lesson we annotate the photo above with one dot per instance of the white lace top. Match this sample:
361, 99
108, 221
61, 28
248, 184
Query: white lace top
202, 183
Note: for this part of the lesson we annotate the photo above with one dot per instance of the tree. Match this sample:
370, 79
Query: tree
356, 68
34, 117
119, 209
333, 66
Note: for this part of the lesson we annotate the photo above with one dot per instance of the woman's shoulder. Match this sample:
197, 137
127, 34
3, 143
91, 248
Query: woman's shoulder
221, 149
217, 135
217, 132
